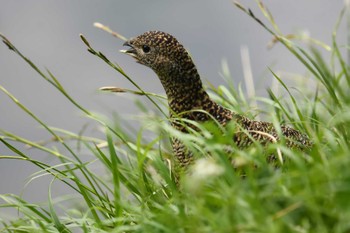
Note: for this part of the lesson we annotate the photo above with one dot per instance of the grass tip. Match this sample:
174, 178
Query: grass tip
239, 5
84, 40
99, 25
107, 29
112, 89
7, 42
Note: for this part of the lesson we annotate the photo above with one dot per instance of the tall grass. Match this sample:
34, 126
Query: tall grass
310, 193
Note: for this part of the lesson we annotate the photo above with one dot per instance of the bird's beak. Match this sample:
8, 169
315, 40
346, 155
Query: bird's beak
131, 51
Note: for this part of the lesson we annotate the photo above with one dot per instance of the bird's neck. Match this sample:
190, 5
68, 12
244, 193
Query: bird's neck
184, 91
186, 96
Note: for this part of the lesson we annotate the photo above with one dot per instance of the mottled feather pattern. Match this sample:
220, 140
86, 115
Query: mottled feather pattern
187, 98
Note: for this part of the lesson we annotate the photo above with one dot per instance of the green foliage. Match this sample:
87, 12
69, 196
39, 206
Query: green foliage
308, 193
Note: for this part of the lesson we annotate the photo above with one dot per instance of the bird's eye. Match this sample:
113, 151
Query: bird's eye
146, 48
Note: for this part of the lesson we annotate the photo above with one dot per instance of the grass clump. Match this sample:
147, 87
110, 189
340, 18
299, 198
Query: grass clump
307, 194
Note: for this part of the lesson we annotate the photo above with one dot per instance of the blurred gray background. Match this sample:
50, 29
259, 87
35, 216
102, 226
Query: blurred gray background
48, 33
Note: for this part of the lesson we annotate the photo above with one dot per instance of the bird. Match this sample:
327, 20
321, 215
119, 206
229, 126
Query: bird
188, 99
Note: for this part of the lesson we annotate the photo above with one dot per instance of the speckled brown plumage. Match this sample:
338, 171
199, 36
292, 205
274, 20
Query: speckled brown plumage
170, 61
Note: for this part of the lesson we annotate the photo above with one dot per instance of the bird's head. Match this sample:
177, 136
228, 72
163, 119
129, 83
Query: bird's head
158, 50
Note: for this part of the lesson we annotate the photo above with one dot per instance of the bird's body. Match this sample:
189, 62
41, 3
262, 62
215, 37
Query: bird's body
187, 98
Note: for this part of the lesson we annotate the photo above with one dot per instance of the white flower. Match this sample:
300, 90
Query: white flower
202, 172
